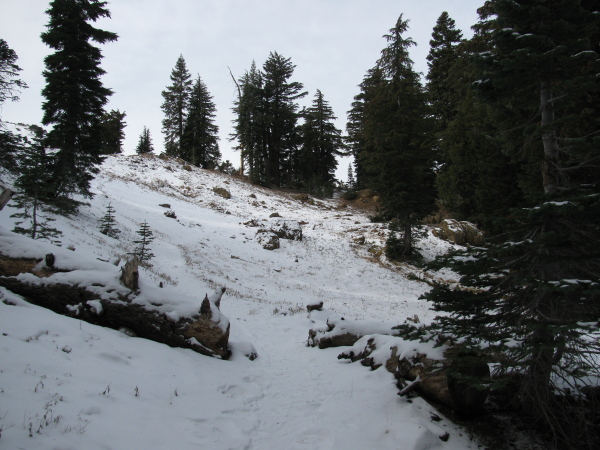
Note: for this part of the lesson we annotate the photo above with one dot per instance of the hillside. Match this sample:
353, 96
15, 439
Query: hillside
65, 383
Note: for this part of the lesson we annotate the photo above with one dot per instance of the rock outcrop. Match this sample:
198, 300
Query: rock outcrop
459, 233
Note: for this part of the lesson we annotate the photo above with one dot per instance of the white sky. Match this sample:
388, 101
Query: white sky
332, 43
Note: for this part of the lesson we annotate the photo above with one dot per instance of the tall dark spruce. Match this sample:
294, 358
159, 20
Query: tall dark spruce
74, 93
200, 140
534, 304
321, 144
390, 128
175, 107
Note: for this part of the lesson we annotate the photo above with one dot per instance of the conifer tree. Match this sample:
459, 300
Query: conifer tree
113, 126
535, 308
10, 84
200, 136
249, 129
145, 143
281, 116
33, 185
396, 156
175, 107
321, 143
441, 93
75, 96
142, 249
108, 222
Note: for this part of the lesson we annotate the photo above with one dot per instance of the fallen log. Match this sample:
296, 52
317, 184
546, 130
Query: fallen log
198, 332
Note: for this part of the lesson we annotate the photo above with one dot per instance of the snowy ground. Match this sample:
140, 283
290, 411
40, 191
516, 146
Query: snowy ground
66, 384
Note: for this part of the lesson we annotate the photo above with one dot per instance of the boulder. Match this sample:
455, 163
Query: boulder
267, 239
286, 229
222, 192
459, 233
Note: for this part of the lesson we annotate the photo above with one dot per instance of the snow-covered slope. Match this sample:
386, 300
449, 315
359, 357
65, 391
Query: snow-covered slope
68, 384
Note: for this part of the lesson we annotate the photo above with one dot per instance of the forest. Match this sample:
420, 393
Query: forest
503, 131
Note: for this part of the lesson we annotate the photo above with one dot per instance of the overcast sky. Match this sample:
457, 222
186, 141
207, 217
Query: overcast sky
332, 43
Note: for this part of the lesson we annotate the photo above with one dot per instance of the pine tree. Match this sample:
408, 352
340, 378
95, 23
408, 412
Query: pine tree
145, 143
535, 306
74, 94
10, 84
108, 222
443, 53
351, 184
321, 144
113, 126
146, 237
397, 158
33, 184
250, 129
281, 116
175, 107
199, 144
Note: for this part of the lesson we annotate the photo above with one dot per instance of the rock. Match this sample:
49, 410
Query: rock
365, 193
252, 223
165, 205
459, 233
314, 306
267, 239
286, 229
440, 379
222, 192
340, 332
171, 214
360, 240
301, 197
275, 214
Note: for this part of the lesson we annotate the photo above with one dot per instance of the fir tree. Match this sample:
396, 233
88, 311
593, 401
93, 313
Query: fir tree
33, 185
396, 154
175, 107
351, 183
280, 119
74, 94
441, 93
249, 129
200, 135
10, 84
113, 126
108, 222
145, 143
321, 144
536, 305
146, 237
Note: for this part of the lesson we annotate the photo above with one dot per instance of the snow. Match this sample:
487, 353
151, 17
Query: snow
67, 384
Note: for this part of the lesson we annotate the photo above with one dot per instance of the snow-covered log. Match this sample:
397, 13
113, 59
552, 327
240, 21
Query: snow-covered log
95, 296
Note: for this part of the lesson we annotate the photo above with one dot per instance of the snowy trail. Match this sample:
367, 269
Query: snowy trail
291, 397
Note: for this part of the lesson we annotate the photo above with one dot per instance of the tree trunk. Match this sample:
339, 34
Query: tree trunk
550, 165
407, 249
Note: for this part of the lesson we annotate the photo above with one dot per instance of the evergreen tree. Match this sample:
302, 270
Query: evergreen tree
113, 126
397, 157
74, 94
281, 116
175, 107
10, 84
351, 181
250, 129
145, 143
108, 222
443, 53
146, 237
321, 143
199, 144
33, 185
536, 305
